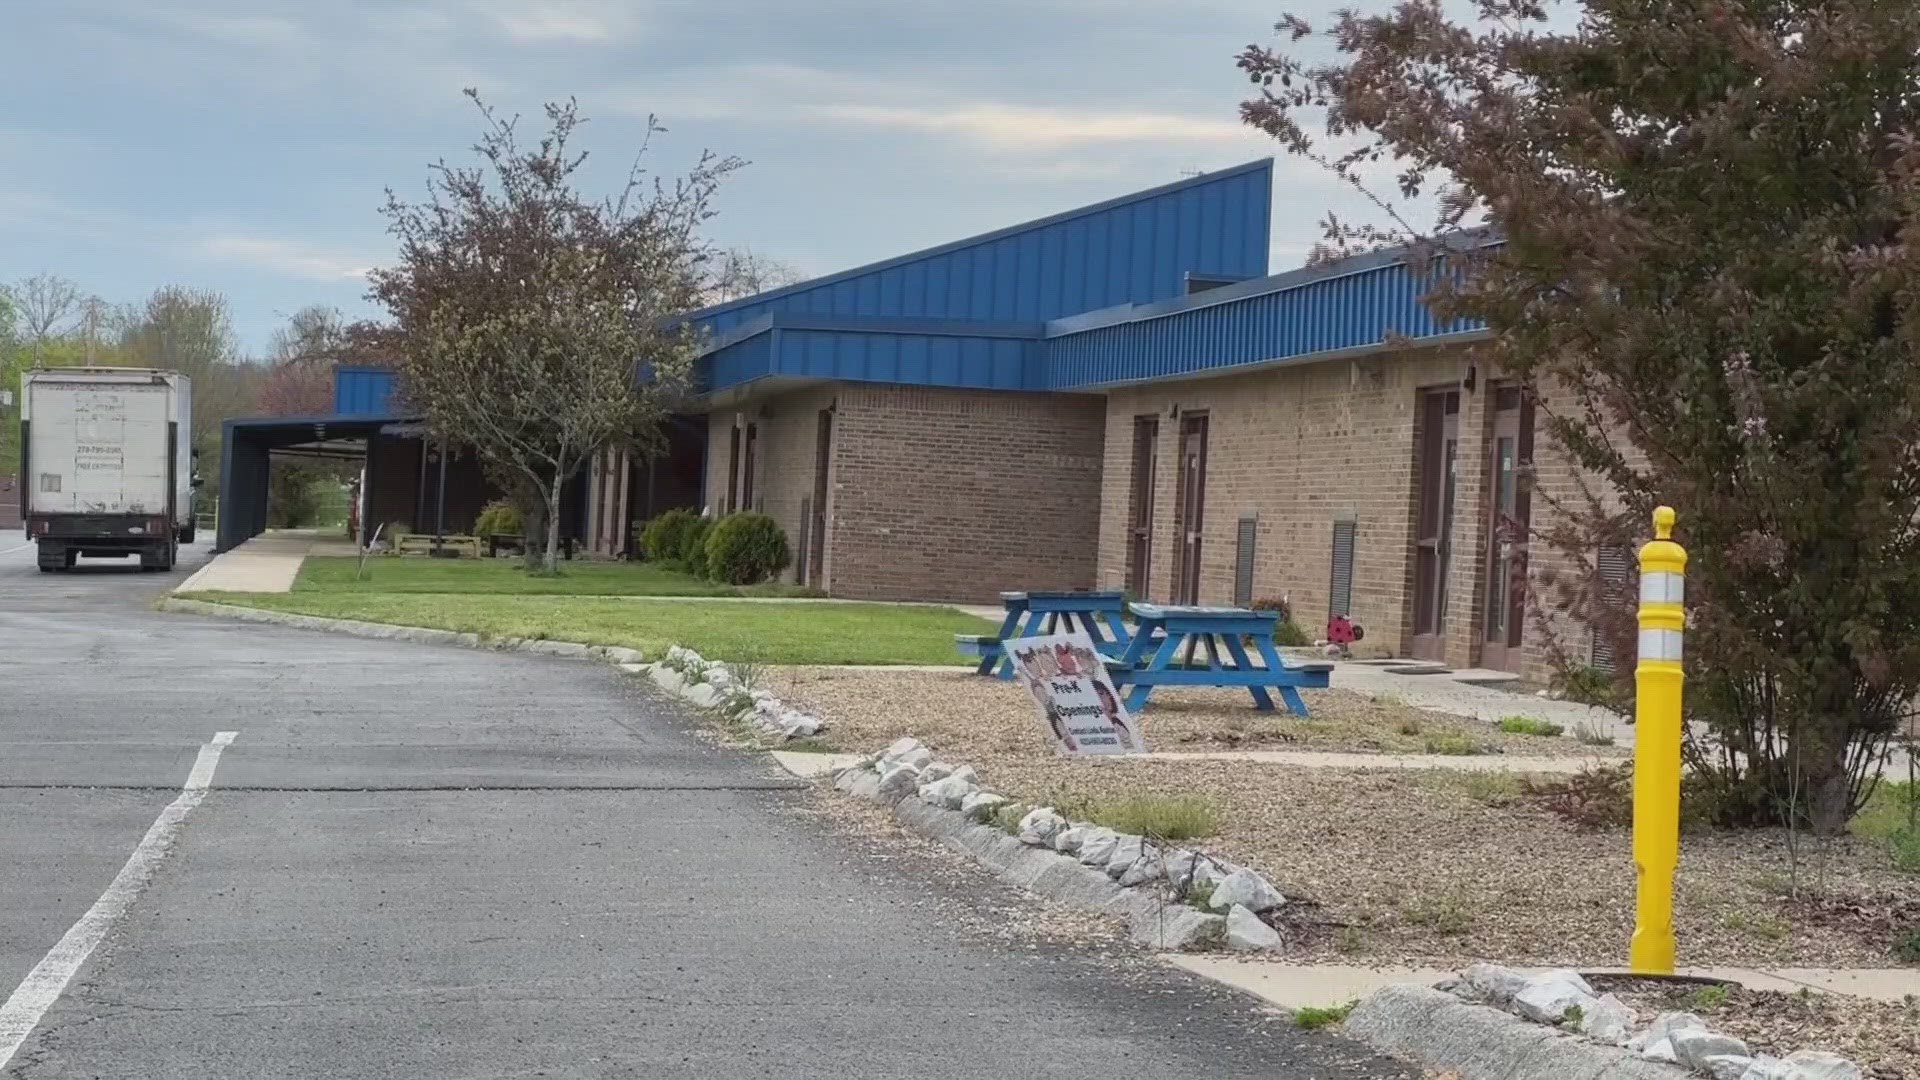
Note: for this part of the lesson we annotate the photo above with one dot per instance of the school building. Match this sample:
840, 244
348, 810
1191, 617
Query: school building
1121, 396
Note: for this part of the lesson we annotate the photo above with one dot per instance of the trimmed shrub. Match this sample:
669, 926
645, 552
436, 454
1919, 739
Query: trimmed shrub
1286, 632
745, 548
664, 537
693, 546
497, 518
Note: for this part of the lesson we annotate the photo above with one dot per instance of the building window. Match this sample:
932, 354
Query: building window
746, 469
733, 471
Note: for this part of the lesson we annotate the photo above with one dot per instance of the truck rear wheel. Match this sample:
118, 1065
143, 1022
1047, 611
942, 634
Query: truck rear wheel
55, 557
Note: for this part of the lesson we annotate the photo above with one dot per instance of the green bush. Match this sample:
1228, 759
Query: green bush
1285, 632
693, 546
664, 537
1521, 724
745, 548
497, 518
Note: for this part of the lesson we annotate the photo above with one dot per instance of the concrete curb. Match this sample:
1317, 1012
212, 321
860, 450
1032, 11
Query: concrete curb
615, 654
1042, 871
1440, 1032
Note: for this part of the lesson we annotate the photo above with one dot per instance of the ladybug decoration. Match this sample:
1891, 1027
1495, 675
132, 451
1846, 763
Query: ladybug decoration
1342, 632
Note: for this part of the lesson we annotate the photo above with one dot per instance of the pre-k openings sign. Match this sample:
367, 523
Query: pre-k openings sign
1077, 702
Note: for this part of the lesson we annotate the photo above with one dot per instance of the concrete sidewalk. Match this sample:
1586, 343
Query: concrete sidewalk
265, 564
1292, 986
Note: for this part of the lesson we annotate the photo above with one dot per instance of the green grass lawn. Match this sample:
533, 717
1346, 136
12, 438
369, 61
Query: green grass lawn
771, 632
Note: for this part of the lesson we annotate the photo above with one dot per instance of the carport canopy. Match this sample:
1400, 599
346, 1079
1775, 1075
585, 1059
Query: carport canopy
246, 449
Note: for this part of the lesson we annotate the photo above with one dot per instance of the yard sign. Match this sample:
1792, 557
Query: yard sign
1076, 701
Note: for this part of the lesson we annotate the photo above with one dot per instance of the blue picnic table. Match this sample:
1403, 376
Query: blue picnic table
1098, 613
1163, 632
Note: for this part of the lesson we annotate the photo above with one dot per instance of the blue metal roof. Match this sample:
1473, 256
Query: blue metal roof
362, 391
1133, 249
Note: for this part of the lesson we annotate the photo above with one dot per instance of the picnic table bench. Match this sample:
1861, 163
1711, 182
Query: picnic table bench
1163, 632
1098, 613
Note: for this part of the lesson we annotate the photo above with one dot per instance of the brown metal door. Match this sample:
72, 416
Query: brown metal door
815, 570
1509, 520
1146, 437
1190, 508
1435, 459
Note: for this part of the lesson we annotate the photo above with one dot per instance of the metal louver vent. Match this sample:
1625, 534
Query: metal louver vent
1614, 566
1243, 562
1340, 591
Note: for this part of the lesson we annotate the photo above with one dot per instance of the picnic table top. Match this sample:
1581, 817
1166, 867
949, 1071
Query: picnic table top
1182, 611
1100, 597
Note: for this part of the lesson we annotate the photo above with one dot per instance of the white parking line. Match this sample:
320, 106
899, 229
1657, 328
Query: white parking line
48, 979
11, 550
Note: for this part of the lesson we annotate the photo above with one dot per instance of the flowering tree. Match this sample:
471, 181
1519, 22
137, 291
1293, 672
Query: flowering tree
536, 324
1709, 275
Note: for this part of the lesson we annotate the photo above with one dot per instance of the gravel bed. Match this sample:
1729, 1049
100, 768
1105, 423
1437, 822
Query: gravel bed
1408, 866
1884, 1037
964, 711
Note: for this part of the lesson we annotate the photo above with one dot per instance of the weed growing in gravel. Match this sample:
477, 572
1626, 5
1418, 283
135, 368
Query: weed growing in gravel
1313, 1018
1519, 724
1444, 915
1006, 817
1760, 926
1162, 817
1907, 946
1350, 941
1596, 797
1491, 788
1199, 893
1707, 998
1454, 746
1410, 726
1391, 700
1573, 1016
1590, 735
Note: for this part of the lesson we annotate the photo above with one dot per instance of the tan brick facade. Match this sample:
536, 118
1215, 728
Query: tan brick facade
938, 494
935, 494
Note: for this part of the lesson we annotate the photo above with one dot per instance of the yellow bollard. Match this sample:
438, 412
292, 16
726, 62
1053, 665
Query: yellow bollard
1656, 755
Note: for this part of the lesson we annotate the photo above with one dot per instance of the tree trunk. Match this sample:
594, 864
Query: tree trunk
553, 528
533, 526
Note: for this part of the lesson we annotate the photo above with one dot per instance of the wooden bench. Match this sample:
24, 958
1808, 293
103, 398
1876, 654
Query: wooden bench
427, 542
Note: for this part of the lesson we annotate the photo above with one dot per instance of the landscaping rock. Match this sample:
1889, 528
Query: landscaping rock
1096, 847
1762, 1067
1125, 854
1693, 1046
1147, 867
1493, 983
1179, 867
980, 799
1248, 889
1179, 927
951, 792
1816, 1065
719, 677
1040, 825
1727, 1066
1247, 933
703, 695
938, 770
1208, 870
1067, 840
897, 782
798, 725
919, 757
1609, 1021
899, 748
1664, 1025
1546, 997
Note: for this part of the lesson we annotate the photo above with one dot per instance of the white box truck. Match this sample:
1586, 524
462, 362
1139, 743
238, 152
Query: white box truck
106, 464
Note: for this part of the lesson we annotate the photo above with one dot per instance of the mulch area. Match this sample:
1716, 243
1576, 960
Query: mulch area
1884, 1037
1418, 866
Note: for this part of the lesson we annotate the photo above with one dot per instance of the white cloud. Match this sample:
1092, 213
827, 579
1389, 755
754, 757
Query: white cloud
572, 22
290, 258
1021, 125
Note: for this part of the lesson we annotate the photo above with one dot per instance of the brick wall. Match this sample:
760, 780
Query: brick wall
1298, 448
935, 494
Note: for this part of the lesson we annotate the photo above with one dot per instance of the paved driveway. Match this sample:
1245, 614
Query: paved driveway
416, 862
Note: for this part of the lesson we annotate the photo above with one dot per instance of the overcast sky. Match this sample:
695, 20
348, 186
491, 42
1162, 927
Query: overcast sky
243, 145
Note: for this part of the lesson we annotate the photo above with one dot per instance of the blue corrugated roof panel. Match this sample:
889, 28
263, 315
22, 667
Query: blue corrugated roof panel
1134, 249
362, 391
1353, 304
